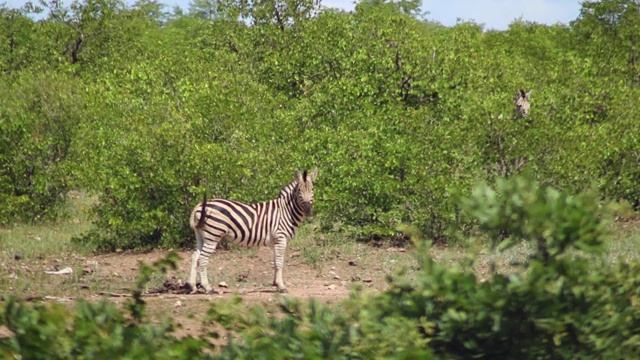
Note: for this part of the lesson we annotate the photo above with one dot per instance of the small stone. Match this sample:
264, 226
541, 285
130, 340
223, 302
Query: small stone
17, 256
352, 263
367, 280
65, 271
177, 304
333, 268
223, 284
332, 287
336, 277
87, 270
114, 274
118, 250
13, 276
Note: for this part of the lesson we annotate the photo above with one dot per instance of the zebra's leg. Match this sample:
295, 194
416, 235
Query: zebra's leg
279, 249
208, 249
195, 259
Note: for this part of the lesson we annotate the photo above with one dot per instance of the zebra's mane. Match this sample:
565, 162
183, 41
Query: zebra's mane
288, 189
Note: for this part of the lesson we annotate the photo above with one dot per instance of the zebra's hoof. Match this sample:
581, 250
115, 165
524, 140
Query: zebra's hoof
189, 289
282, 291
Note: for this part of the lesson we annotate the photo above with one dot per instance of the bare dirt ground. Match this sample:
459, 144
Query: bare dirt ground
247, 273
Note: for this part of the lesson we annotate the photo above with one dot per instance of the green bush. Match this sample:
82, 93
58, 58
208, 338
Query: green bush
160, 150
572, 304
95, 330
317, 331
38, 121
149, 111
569, 305
523, 209
561, 306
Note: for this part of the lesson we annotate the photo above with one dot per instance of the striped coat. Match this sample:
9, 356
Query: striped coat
271, 223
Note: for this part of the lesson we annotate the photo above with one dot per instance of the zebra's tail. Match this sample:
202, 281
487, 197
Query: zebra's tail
203, 213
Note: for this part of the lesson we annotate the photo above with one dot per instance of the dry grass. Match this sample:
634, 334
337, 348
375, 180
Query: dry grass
624, 244
34, 242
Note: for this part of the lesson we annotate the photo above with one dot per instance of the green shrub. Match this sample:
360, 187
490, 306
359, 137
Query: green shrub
95, 330
161, 151
317, 331
569, 305
561, 306
572, 304
149, 112
522, 209
38, 121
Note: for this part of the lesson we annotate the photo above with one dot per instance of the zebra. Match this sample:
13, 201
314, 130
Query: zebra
271, 223
522, 103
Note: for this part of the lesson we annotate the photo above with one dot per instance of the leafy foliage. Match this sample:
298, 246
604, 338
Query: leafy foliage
38, 128
572, 304
560, 307
522, 209
94, 331
150, 110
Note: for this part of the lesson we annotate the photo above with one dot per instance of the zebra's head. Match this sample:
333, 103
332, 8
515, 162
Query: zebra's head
522, 103
304, 194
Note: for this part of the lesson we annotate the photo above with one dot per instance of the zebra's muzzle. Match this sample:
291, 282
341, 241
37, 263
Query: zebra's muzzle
306, 208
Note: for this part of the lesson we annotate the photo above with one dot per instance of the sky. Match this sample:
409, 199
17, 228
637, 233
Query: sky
494, 14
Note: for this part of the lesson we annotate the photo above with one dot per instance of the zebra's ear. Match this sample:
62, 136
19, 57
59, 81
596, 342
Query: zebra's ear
314, 174
527, 95
297, 175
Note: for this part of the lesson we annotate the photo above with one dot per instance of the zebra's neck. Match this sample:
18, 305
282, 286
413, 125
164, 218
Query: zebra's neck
288, 190
293, 213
